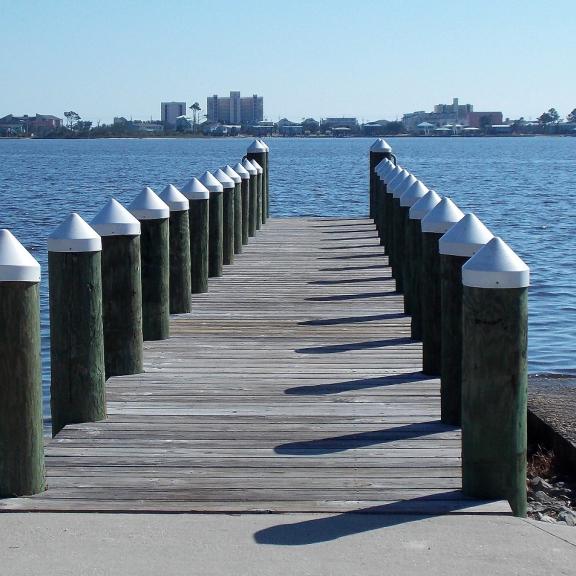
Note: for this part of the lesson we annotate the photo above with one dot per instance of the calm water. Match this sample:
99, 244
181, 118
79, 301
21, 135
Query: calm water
523, 190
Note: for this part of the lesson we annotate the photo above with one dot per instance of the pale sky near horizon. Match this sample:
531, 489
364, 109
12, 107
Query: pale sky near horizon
366, 58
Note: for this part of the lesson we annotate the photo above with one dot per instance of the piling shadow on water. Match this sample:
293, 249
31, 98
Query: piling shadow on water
328, 528
338, 297
361, 439
349, 281
352, 346
359, 384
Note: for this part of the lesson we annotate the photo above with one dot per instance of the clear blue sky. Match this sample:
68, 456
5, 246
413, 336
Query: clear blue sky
368, 58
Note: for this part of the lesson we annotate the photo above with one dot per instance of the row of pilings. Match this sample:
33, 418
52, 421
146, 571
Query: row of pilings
467, 294
113, 284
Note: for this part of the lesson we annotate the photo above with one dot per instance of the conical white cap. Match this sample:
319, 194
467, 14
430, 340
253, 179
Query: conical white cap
256, 147
174, 199
148, 206
404, 185
224, 179
241, 171
395, 182
195, 190
465, 238
248, 165
380, 145
389, 176
211, 182
419, 209
442, 217
257, 166
413, 194
383, 167
74, 235
229, 171
496, 265
263, 144
16, 263
115, 220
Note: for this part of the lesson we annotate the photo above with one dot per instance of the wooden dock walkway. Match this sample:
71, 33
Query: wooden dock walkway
293, 386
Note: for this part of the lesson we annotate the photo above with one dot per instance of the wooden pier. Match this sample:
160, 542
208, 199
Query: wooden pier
293, 386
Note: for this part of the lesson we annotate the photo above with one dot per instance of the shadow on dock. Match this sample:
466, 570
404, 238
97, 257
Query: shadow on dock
368, 345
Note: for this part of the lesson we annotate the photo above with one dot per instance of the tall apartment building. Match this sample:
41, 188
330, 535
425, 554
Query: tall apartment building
170, 111
234, 109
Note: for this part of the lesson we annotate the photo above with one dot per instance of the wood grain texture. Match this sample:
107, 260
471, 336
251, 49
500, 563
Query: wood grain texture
292, 386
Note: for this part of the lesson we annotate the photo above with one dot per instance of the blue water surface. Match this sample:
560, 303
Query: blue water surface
522, 188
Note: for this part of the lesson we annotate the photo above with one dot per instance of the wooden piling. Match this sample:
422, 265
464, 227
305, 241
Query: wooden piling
77, 391
216, 224
21, 444
381, 170
436, 223
154, 215
414, 242
386, 200
121, 289
180, 281
198, 217
391, 211
266, 176
229, 171
257, 152
253, 201
494, 375
228, 226
245, 199
459, 244
378, 151
259, 199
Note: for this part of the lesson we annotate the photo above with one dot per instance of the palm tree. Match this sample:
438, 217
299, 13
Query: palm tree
195, 109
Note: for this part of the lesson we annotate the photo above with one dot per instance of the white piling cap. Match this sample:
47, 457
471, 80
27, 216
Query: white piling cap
416, 191
174, 199
380, 145
404, 185
74, 235
16, 263
420, 208
383, 167
391, 185
211, 182
248, 166
465, 238
496, 265
223, 178
389, 176
241, 171
229, 171
264, 144
257, 147
442, 217
259, 168
195, 190
148, 206
115, 220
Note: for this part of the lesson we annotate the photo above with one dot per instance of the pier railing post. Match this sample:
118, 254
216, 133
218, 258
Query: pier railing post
391, 217
215, 224
266, 176
494, 375
253, 196
379, 150
257, 152
245, 199
460, 243
198, 216
259, 211
77, 391
228, 228
414, 240
385, 216
21, 444
414, 192
121, 289
229, 171
400, 217
179, 234
436, 223
153, 215
383, 168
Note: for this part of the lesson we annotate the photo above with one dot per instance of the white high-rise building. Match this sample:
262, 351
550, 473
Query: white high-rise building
170, 111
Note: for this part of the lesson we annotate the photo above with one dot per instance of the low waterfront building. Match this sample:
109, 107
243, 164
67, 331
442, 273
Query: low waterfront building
29, 125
